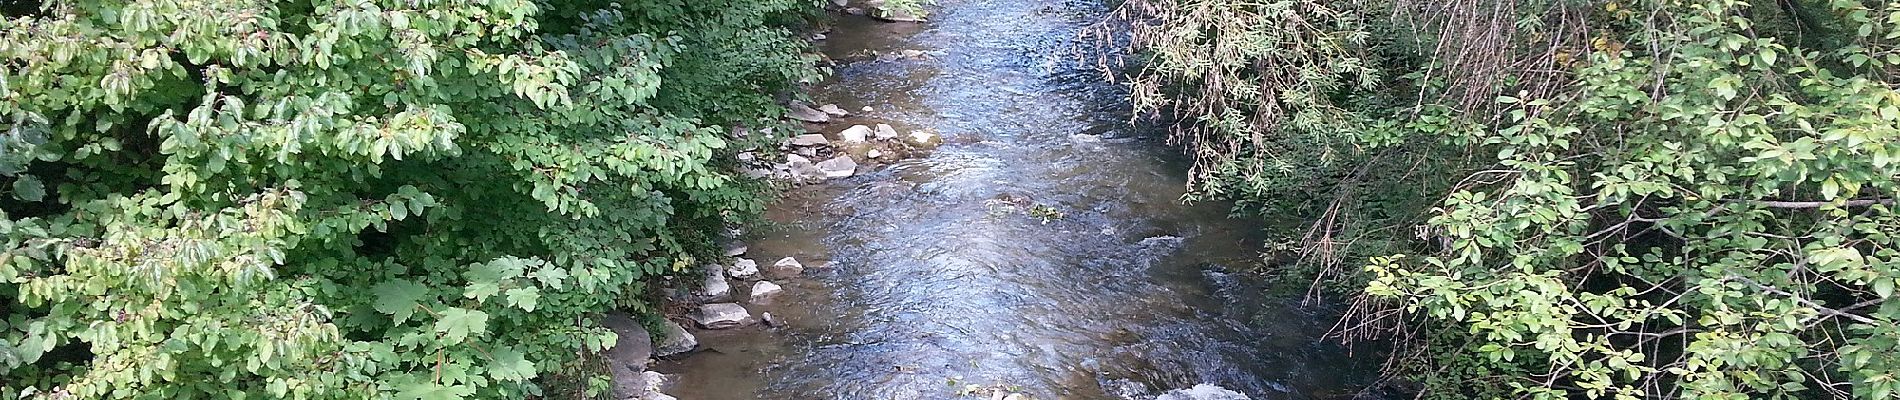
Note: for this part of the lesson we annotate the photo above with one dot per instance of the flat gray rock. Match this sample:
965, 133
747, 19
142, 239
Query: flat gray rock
721, 316
802, 112
764, 290
674, 339
856, 133
810, 139
841, 167
743, 268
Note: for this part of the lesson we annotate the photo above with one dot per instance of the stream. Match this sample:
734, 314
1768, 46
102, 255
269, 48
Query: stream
1043, 249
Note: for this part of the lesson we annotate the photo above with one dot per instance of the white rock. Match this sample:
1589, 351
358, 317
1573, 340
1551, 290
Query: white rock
714, 286
810, 139
743, 268
721, 316
875, 153
833, 110
855, 134
764, 290
924, 139
770, 320
886, 132
840, 167
674, 339
787, 267
802, 112
1203, 392
817, 36
868, 109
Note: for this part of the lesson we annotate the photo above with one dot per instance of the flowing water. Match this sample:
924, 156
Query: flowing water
941, 276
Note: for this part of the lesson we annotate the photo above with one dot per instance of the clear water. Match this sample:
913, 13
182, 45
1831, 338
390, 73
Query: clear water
940, 279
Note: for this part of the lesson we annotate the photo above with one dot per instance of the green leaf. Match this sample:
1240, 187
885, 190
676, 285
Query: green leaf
433, 391
481, 291
456, 324
28, 188
399, 298
510, 365
553, 277
525, 298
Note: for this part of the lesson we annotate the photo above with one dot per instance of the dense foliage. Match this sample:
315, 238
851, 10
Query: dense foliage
1568, 199
359, 198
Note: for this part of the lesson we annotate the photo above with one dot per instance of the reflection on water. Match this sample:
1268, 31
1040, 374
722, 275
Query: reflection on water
937, 283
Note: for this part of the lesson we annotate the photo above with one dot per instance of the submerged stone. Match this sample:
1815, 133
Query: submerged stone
721, 315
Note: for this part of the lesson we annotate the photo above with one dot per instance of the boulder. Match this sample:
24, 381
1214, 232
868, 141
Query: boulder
674, 339
923, 140
743, 268
721, 316
856, 133
802, 112
764, 290
886, 132
1203, 392
810, 139
634, 346
714, 286
629, 357
841, 167
833, 110
787, 267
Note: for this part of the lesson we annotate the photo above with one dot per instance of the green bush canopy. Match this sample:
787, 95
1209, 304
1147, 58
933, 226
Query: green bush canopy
1556, 199
417, 199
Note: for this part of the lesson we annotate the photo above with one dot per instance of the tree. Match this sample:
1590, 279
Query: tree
354, 199
1660, 199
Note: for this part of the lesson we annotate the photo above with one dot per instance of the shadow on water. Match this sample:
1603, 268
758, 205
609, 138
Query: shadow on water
940, 280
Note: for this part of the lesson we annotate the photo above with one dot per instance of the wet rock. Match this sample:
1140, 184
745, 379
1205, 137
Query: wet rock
735, 249
854, 10
1016, 396
879, 11
856, 133
841, 167
802, 168
629, 356
886, 132
770, 320
721, 316
802, 112
818, 36
875, 153
924, 140
713, 287
867, 109
786, 267
743, 268
654, 383
810, 139
674, 339
764, 290
1203, 392
833, 110
635, 346
747, 156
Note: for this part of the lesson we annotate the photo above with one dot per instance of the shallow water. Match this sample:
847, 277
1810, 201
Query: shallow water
941, 277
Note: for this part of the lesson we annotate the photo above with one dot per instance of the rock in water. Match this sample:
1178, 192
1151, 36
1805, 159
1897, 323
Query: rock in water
721, 316
743, 268
735, 249
714, 287
924, 140
833, 110
674, 339
841, 167
886, 132
810, 139
787, 267
764, 290
802, 112
856, 133
1203, 392
770, 320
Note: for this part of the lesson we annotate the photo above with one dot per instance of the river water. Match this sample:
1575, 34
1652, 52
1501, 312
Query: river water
941, 277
